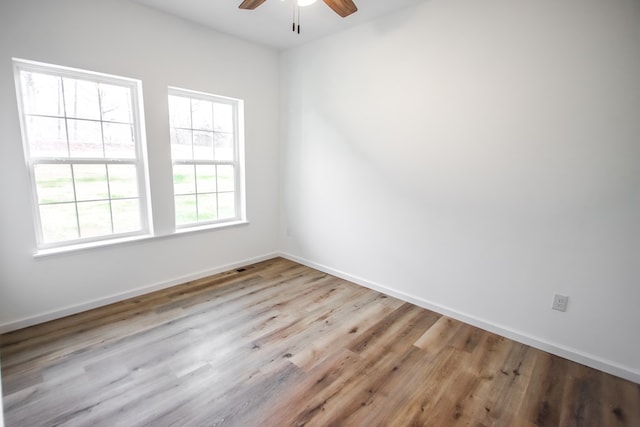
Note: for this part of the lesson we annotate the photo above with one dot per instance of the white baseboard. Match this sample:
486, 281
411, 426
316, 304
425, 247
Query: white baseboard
67, 311
519, 336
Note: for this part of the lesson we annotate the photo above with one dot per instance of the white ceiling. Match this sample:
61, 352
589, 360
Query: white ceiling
270, 24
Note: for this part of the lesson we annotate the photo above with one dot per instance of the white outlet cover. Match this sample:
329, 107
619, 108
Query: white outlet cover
560, 302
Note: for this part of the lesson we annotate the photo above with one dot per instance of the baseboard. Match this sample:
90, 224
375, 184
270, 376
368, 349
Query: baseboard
519, 336
67, 311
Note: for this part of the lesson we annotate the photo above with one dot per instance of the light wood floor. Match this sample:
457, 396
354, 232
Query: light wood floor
280, 344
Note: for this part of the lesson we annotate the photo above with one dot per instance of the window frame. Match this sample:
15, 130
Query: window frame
237, 106
140, 161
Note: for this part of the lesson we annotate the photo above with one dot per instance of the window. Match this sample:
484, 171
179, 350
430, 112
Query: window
83, 144
206, 154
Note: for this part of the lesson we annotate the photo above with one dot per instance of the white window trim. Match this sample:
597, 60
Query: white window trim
140, 161
238, 162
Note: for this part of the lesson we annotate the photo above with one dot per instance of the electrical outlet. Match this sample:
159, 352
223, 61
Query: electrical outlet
560, 302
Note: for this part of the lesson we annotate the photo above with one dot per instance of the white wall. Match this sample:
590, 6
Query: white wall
122, 38
477, 157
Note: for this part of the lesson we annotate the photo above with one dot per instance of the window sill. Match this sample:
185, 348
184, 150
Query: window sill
196, 228
84, 246
41, 253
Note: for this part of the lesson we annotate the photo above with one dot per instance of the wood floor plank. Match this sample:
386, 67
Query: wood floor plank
280, 344
508, 388
298, 405
619, 402
439, 336
582, 402
465, 383
545, 400
341, 334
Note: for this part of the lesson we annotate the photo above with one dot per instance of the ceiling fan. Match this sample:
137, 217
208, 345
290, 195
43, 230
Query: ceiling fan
343, 8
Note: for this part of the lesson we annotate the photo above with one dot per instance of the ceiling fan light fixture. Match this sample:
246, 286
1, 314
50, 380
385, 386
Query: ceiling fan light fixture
343, 8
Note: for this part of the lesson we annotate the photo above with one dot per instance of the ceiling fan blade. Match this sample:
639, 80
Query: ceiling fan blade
250, 4
343, 8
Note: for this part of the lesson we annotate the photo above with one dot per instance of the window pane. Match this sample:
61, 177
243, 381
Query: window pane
81, 99
204, 151
186, 210
119, 141
226, 180
123, 181
202, 114
59, 222
116, 103
184, 181
41, 94
94, 218
181, 144
91, 182
226, 205
179, 112
82, 147
126, 215
202, 145
54, 183
207, 207
224, 146
223, 117
47, 137
206, 178
85, 138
